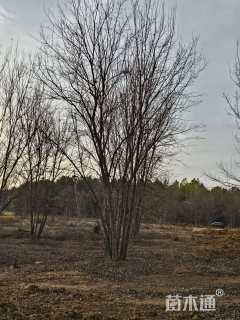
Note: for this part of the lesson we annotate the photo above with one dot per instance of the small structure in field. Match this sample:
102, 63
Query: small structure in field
218, 222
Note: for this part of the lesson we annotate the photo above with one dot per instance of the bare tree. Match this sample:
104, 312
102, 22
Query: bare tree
228, 174
43, 160
125, 79
15, 86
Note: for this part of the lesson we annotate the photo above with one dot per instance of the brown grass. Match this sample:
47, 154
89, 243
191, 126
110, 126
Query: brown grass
66, 276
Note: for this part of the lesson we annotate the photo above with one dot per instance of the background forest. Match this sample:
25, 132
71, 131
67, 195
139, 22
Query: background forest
185, 202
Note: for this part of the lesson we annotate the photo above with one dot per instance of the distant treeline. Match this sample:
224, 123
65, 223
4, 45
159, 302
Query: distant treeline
178, 203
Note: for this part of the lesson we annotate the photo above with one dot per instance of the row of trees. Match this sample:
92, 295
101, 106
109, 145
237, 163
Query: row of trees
67, 196
191, 203
185, 202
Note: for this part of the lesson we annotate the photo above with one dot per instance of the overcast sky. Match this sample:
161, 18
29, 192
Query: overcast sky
218, 25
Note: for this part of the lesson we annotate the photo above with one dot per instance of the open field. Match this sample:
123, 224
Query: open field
65, 275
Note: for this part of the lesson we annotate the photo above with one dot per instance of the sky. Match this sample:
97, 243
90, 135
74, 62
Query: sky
218, 25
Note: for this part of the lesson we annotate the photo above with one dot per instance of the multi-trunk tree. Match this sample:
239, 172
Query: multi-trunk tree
43, 159
119, 69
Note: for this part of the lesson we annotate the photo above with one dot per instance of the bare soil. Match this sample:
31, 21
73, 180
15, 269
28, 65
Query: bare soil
65, 276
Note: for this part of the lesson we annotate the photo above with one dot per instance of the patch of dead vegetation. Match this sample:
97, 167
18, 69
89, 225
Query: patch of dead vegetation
69, 278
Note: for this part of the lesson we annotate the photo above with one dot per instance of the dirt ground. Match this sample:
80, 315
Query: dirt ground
65, 276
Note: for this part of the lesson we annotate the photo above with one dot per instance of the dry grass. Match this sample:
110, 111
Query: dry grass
65, 275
